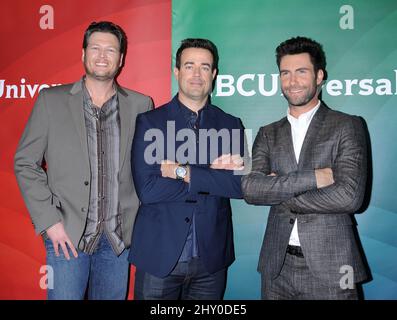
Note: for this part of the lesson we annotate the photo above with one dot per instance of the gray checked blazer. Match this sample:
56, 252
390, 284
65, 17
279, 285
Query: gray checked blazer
326, 224
56, 133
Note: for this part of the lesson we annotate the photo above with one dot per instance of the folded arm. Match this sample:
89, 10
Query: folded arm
223, 177
158, 183
350, 175
262, 187
151, 187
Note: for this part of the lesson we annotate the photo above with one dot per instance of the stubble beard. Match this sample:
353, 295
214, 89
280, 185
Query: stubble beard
299, 102
101, 77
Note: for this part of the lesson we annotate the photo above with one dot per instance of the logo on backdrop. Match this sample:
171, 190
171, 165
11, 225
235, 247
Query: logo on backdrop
267, 85
22, 90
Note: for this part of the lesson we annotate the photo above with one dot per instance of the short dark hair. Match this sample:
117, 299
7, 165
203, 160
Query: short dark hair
106, 26
303, 45
197, 43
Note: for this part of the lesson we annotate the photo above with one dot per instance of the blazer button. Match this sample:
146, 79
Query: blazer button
187, 220
291, 221
86, 183
83, 209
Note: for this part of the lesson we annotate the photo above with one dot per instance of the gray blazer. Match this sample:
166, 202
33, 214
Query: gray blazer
326, 224
56, 133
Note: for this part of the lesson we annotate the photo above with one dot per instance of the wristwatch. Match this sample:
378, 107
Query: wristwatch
181, 172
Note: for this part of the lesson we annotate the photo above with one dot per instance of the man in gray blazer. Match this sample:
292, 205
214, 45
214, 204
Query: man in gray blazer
83, 201
311, 168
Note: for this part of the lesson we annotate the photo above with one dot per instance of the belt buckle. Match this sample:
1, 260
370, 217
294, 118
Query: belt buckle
295, 251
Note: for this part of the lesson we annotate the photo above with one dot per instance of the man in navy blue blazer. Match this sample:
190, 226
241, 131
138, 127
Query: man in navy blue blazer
187, 160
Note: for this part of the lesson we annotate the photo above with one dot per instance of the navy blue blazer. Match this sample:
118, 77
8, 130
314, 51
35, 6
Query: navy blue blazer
167, 205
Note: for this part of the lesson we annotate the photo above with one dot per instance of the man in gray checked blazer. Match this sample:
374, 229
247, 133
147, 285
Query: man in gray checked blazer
84, 203
311, 168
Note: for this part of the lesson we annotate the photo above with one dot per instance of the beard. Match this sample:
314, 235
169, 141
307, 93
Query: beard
303, 99
101, 76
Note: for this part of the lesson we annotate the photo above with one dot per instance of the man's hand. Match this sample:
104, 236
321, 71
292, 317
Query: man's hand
58, 236
168, 168
324, 177
228, 162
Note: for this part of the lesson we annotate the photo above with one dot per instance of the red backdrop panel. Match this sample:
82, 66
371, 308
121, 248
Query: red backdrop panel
31, 57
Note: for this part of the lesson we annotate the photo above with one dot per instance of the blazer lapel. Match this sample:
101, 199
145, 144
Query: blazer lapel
76, 108
286, 136
176, 120
311, 135
125, 112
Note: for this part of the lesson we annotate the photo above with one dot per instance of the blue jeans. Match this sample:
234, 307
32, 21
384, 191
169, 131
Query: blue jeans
188, 281
105, 274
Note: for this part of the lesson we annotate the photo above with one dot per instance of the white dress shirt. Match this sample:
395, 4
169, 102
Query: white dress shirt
299, 128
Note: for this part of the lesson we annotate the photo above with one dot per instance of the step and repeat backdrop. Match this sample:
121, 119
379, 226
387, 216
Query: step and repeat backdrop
358, 37
41, 47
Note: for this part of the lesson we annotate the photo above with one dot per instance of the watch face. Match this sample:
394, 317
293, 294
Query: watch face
180, 172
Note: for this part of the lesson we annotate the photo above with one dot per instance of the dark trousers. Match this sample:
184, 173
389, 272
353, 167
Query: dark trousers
296, 282
188, 281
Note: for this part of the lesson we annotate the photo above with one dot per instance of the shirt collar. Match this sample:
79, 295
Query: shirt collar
187, 113
304, 118
108, 105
